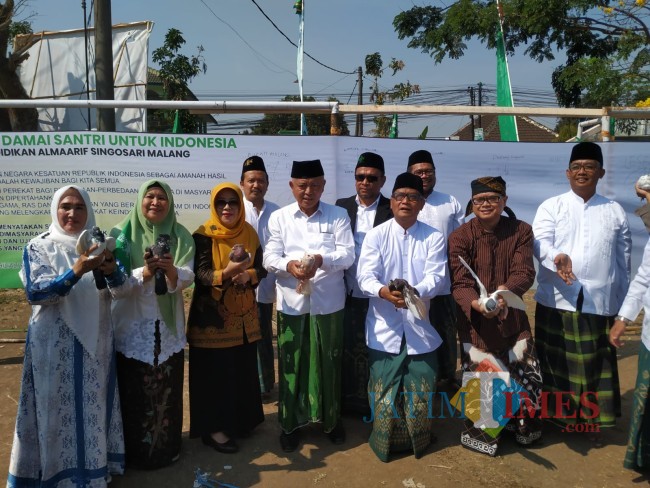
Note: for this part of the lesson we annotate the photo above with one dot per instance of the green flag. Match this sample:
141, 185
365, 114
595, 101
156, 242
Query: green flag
177, 123
394, 132
507, 123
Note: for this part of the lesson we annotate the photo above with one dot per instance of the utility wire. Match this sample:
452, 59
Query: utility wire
257, 53
294, 44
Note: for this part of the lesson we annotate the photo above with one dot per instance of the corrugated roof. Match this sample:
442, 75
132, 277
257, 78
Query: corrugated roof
529, 130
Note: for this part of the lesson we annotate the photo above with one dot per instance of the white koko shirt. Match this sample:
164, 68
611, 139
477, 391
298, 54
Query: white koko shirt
443, 212
596, 236
638, 297
418, 255
265, 291
291, 234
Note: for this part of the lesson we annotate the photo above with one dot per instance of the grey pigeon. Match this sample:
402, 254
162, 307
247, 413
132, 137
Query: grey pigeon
411, 296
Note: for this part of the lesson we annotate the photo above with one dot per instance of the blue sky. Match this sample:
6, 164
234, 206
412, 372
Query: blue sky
249, 59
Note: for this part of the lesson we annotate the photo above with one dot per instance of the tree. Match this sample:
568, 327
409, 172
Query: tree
317, 125
606, 43
13, 119
375, 68
176, 71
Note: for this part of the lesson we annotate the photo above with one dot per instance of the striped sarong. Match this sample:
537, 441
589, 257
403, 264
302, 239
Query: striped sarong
400, 390
637, 455
309, 363
577, 359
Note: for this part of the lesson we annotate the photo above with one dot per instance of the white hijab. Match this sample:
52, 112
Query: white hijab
80, 308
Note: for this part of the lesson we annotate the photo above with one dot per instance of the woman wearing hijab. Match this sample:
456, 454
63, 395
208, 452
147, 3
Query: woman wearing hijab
223, 325
62, 438
150, 327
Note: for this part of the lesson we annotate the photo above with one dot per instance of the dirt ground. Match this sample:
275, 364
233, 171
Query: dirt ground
562, 459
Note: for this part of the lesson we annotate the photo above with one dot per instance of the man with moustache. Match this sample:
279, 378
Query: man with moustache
403, 364
254, 184
367, 209
445, 213
309, 247
583, 245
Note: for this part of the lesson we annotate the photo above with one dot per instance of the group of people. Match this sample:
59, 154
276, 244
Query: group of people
373, 297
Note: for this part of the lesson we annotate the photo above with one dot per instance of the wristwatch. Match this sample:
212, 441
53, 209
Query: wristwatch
623, 319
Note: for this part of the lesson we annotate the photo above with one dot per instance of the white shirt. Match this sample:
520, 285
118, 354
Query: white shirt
443, 212
265, 291
418, 255
638, 297
326, 232
365, 221
135, 315
596, 236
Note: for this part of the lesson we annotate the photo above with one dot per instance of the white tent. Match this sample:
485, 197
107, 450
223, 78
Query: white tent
56, 69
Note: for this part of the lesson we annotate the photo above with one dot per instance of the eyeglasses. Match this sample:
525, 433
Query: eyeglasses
492, 199
222, 203
424, 172
369, 178
411, 197
588, 167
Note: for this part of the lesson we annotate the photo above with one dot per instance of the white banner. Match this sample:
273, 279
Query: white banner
112, 166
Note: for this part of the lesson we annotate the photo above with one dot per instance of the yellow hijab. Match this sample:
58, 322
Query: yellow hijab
224, 238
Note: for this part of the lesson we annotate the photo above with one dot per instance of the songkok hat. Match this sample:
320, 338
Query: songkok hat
489, 184
587, 150
408, 180
254, 163
421, 156
307, 169
371, 160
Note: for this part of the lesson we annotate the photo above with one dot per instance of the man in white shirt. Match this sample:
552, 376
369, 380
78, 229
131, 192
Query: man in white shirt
582, 243
254, 183
445, 213
367, 209
401, 353
309, 247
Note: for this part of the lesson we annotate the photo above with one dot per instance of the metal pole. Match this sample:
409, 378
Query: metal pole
83, 6
359, 129
104, 63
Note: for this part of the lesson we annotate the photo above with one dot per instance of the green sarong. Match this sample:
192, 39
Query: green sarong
309, 363
577, 359
400, 391
637, 455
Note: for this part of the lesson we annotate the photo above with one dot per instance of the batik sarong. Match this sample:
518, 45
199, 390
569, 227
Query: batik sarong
309, 351
355, 358
400, 392
265, 355
637, 455
152, 410
578, 360
442, 315
525, 422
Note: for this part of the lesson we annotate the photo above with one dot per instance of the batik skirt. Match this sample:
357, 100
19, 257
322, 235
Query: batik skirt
637, 455
400, 393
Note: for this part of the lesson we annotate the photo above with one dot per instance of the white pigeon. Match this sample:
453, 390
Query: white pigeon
306, 264
94, 236
489, 302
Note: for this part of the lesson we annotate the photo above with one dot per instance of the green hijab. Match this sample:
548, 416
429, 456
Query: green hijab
135, 233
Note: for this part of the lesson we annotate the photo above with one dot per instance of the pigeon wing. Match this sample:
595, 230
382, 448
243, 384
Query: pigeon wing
483, 291
513, 300
414, 303
84, 241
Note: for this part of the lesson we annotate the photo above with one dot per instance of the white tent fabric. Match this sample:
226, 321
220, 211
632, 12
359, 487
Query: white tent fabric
56, 69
